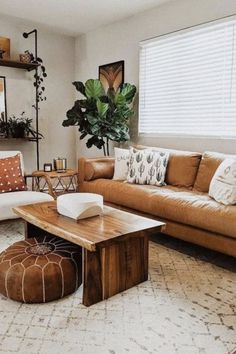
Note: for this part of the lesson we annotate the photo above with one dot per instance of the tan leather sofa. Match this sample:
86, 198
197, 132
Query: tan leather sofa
190, 214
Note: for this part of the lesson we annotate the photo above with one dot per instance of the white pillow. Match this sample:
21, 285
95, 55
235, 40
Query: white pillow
223, 184
147, 167
121, 164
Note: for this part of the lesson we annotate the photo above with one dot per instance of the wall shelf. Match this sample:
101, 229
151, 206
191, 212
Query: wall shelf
28, 67
18, 64
18, 139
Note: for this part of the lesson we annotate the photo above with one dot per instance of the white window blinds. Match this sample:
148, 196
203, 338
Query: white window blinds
188, 82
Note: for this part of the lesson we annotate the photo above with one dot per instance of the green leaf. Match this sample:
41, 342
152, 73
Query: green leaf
119, 99
93, 88
92, 120
128, 91
79, 87
95, 129
95, 140
83, 135
102, 108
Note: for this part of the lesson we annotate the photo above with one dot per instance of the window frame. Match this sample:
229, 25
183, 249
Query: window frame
171, 34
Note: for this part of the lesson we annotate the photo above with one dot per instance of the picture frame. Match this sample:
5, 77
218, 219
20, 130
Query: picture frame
3, 99
112, 75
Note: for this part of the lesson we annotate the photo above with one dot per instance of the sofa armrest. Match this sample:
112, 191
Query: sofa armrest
94, 168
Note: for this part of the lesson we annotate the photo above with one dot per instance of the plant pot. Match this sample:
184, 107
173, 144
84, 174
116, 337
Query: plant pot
18, 132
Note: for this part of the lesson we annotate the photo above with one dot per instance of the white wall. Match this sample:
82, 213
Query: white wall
57, 52
120, 40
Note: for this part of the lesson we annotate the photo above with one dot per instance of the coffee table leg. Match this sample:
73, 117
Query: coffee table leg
32, 230
114, 268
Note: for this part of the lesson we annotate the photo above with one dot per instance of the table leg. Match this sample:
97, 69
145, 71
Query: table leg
114, 268
33, 231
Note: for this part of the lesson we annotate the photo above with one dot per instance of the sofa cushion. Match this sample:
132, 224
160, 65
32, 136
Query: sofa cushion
11, 178
121, 164
223, 184
208, 166
172, 203
182, 166
11, 153
147, 167
14, 199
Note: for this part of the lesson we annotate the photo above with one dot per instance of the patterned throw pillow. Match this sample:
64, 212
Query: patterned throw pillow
121, 164
147, 167
223, 184
11, 178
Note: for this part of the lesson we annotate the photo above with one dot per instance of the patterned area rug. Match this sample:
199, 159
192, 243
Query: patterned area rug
187, 306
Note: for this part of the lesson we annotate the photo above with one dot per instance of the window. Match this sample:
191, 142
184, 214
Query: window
188, 82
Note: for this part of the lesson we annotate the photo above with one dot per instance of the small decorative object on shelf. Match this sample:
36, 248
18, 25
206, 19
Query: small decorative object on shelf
26, 57
60, 164
47, 167
80, 205
5, 46
2, 51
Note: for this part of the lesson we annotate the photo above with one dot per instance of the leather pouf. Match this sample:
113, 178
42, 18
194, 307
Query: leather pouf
40, 270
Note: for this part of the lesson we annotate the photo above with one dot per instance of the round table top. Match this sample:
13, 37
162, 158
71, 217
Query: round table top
55, 174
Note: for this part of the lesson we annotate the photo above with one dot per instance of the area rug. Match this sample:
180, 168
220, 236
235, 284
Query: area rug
188, 306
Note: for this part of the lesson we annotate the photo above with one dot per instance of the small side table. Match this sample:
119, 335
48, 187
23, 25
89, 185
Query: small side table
55, 183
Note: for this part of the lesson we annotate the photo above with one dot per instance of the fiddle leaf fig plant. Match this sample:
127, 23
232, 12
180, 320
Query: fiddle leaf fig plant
101, 116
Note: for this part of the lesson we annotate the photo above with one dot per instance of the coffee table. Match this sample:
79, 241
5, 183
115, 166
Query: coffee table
115, 245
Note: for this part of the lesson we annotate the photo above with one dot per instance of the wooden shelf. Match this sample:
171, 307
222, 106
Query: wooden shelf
17, 139
18, 64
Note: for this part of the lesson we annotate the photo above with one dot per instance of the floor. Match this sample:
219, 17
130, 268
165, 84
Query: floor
188, 306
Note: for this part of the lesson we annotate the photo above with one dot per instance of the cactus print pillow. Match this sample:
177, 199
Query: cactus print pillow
147, 167
223, 184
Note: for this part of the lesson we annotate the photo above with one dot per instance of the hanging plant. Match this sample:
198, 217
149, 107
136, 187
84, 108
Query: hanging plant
39, 77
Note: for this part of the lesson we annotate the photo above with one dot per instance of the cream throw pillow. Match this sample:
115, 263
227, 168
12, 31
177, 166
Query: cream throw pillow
121, 164
223, 184
147, 167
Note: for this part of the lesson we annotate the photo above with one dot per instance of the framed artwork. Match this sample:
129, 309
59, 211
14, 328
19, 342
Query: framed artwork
112, 75
3, 99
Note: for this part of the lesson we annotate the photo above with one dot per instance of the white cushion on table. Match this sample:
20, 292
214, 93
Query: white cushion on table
14, 199
80, 205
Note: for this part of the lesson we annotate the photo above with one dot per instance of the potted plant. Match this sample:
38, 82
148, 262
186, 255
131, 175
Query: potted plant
102, 116
19, 127
2, 127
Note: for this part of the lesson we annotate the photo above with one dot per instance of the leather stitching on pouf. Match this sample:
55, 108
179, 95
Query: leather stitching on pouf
40, 269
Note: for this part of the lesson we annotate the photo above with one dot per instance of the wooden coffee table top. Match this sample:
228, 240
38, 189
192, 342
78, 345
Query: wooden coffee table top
88, 233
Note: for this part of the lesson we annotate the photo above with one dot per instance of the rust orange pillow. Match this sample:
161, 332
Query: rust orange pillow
11, 178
